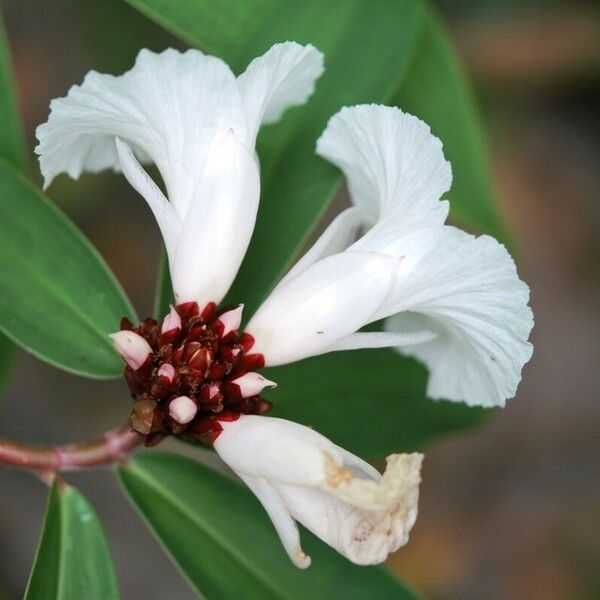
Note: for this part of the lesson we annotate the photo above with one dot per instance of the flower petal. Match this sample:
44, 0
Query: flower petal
167, 108
333, 298
218, 225
286, 527
467, 291
394, 165
168, 220
282, 77
274, 449
383, 339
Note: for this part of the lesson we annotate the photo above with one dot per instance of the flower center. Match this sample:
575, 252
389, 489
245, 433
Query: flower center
193, 370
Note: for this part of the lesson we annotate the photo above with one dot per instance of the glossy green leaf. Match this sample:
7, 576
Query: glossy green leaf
368, 401
12, 149
72, 560
12, 141
223, 542
59, 300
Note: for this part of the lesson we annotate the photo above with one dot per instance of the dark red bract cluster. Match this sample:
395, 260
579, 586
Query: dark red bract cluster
197, 360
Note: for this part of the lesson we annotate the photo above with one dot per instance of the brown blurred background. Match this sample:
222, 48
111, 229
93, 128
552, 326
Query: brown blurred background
509, 511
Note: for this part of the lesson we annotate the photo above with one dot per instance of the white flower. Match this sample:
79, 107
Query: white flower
191, 116
299, 475
452, 300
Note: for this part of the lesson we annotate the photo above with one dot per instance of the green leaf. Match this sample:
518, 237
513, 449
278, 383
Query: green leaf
223, 542
59, 300
72, 560
12, 148
371, 402
436, 90
12, 140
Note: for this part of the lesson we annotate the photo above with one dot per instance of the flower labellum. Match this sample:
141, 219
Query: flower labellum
197, 122
449, 299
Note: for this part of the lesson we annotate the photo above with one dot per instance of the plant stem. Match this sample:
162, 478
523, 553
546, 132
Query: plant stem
113, 446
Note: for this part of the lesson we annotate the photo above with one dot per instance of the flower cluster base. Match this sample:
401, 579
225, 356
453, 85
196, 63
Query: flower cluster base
190, 372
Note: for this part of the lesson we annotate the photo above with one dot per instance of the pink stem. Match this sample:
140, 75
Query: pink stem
111, 447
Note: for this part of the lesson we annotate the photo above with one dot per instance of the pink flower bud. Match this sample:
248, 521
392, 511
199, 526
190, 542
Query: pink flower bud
251, 384
166, 371
182, 409
211, 393
132, 347
172, 322
230, 320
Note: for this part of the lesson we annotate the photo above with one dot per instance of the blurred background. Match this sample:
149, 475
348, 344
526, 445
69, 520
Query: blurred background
508, 511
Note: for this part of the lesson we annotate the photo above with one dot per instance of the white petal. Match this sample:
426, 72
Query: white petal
164, 212
327, 302
340, 233
218, 225
467, 291
282, 77
274, 449
167, 108
394, 165
286, 527
383, 339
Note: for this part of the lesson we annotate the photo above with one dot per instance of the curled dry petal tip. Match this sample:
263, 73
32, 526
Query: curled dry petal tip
300, 559
402, 473
132, 347
182, 409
